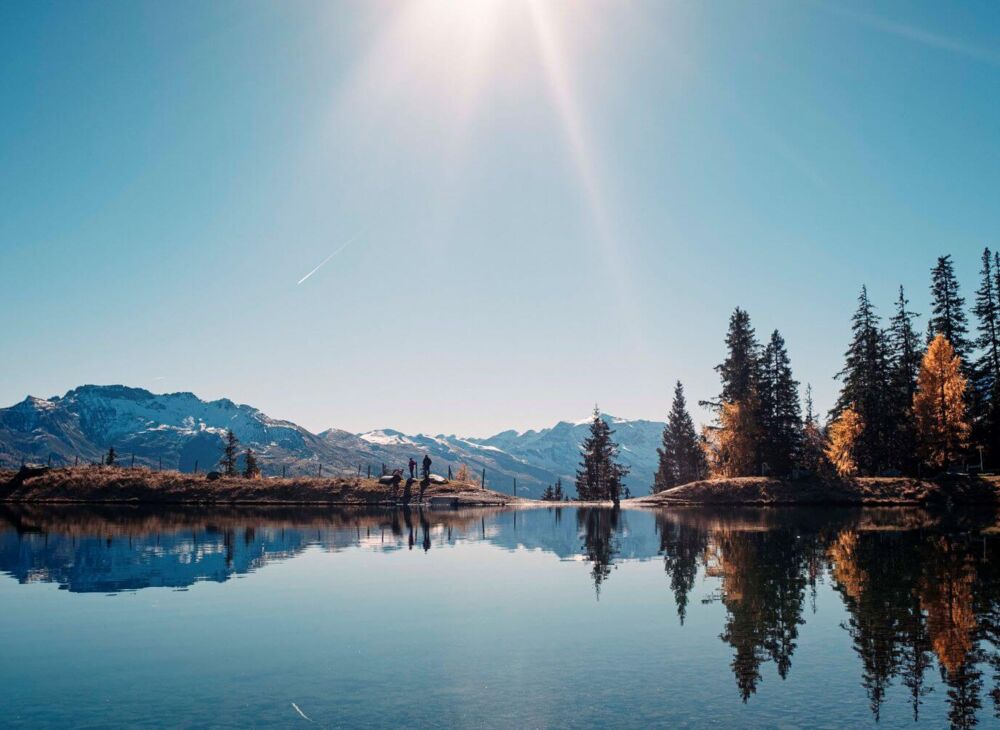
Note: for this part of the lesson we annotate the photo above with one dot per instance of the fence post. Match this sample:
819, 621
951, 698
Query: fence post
50, 459
369, 471
195, 466
282, 471
76, 460
515, 486
321, 470
482, 480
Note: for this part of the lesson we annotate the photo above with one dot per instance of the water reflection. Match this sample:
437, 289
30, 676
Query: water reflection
920, 591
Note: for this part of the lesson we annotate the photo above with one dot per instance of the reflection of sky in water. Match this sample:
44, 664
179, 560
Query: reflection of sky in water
530, 618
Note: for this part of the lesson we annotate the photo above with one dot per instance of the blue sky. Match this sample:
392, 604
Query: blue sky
548, 203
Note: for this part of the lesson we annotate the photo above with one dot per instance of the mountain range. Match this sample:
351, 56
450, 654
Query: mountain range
181, 431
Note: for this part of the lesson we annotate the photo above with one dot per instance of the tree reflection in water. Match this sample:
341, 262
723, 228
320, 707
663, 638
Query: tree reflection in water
921, 590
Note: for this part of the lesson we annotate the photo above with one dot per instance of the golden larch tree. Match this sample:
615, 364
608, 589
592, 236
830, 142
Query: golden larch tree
843, 440
731, 448
939, 405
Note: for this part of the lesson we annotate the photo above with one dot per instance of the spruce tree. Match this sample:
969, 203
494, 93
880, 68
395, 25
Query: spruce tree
250, 468
948, 311
903, 357
230, 449
600, 475
780, 410
812, 456
557, 493
547, 495
986, 379
112, 455
864, 386
740, 373
681, 457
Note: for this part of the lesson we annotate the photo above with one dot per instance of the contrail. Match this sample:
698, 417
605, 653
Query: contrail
323, 262
304, 716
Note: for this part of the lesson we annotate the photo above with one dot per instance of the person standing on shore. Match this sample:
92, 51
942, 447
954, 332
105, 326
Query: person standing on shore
427, 466
413, 467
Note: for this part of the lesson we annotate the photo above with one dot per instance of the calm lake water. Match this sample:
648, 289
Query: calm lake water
486, 618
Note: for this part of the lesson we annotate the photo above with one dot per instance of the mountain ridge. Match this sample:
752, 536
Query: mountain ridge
181, 431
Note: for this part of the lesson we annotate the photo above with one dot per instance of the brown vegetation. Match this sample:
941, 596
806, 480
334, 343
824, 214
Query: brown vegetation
860, 490
111, 484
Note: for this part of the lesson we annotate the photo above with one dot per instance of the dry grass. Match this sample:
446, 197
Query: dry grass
112, 484
862, 490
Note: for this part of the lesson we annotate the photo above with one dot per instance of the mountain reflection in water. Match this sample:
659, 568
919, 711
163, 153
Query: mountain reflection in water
920, 591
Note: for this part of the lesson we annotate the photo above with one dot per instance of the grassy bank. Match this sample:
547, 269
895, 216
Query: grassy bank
142, 486
860, 490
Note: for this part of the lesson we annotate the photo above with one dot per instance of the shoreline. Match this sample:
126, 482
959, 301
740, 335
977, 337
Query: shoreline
132, 486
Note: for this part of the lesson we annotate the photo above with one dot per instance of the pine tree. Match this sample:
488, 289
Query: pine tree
740, 373
547, 495
780, 410
110, 458
845, 435
903, 356
812, 456
939, 405
250, 468
600, 475
864, 387
557, 493
986, 382
230, 450
948, 311
681, 457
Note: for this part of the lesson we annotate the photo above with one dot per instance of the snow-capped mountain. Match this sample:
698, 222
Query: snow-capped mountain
179, 430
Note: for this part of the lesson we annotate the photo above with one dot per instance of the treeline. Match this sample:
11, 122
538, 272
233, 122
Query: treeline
907, 404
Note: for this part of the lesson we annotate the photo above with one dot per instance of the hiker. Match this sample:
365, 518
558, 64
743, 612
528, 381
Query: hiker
413, 467
427, 466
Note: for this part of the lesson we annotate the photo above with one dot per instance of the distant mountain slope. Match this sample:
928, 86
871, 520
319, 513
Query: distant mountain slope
179, 430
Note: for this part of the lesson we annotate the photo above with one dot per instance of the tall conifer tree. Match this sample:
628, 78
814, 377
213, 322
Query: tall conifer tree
904, 356
600, 475
740, 373
948, 311
780, 410
681, 457
864, 386
986, 380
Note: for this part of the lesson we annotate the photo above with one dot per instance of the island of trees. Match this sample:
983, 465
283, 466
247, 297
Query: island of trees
909, 405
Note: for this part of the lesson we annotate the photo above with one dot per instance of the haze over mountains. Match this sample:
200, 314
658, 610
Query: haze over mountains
180, 431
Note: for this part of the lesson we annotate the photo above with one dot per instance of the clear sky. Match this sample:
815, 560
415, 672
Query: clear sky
545, 203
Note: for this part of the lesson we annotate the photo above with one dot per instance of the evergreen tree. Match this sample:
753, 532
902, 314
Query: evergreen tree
681, 457
939, 405
780, 410
250, 468
600, 475
948, 311
557, 493
230, 449
112, 455
740, 371
903, 356
739, 402
812, 456
986, 382
547, 495
865, 385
